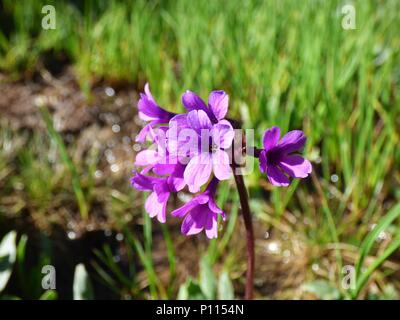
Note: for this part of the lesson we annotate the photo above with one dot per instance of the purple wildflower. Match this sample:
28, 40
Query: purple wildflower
210, 155
150, 111
201, 213
218, 102
279, 159
161, 189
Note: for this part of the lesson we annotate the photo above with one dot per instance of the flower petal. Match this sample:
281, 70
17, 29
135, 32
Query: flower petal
150, 110
156, 208
292, 141
222, 135
271, 137
192, 101
142, 182
213, 206
296, 166
263, 161
211, 225
221, 166
195, 221
148, 92
198, 171
218, 101
276, 177
146, 157
198, 120
180, 212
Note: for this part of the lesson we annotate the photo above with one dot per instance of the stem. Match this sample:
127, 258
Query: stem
244, 203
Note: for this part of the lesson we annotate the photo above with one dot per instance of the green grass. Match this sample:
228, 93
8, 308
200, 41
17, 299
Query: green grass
286, 63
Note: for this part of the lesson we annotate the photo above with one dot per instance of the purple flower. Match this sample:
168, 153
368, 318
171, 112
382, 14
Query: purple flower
151, 112
201, 213
210, 155
279, 159
218, 102
161, 189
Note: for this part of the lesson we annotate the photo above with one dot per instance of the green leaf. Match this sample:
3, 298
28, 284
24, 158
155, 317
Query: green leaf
49, 295
82, 286
208, 282
322, 289
225, 287
8, 252
190, 290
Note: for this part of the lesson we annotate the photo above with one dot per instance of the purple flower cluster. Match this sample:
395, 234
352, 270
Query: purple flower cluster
193, 150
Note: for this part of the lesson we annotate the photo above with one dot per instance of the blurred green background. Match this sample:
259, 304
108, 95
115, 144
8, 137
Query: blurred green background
68, 122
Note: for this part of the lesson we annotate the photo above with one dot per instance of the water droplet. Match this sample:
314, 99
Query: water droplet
98, 174
273, 247
116, 258
116, 128
109, 91
107, 233
315, 267
114, 168
137, 147
334, 178
71, 235
119, 237
266, 235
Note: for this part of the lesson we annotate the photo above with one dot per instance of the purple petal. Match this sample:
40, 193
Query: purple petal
180, 121
213, 206
141, 182
163, 169
222, 135
192, 101
141, 137
180, 212
198, 120
292, 141
198, 171
271, 137
156, 208
218, 102
263, 161
148, 92
146, 157
276, 177
149, 110
296, 166
195, 221
211, 225
162, 190
176, 184
221, 166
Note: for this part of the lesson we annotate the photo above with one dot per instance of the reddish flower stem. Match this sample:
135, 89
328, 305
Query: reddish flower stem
244, 203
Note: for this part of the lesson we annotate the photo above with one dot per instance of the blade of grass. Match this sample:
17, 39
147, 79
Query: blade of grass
171, 259
369, 240
362, 280
76, 184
